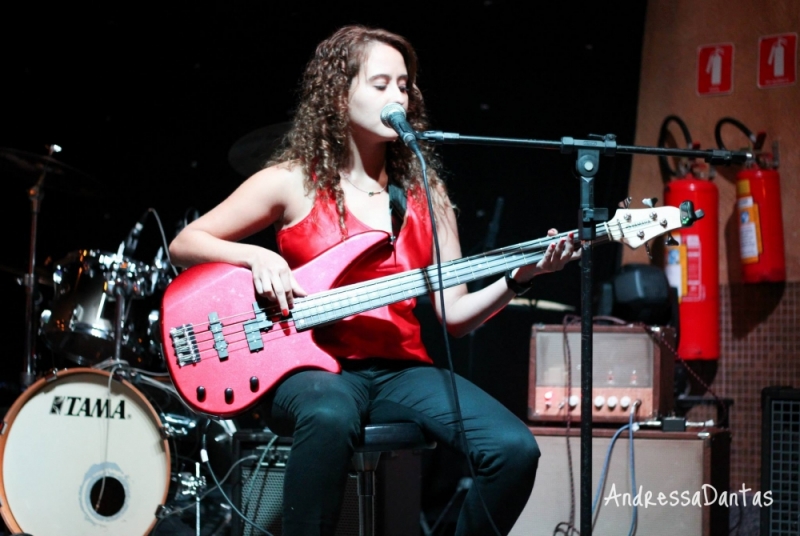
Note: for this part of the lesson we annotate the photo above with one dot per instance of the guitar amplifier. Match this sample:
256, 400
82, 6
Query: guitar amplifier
258, 485
258, 488
628, 363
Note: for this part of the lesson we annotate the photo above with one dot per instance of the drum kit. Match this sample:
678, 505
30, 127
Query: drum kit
103, 444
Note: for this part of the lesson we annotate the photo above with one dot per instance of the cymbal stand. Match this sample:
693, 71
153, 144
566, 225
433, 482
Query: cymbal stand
120, 287
119, 320
35, 194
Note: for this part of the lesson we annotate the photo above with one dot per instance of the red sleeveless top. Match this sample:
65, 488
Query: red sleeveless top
392, 331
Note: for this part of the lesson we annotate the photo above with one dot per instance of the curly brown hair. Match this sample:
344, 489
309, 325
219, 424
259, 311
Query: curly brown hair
318, 139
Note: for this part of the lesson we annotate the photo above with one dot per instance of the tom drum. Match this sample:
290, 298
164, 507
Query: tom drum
80, 323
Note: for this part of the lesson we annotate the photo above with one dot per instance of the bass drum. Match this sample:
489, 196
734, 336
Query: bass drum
82, 454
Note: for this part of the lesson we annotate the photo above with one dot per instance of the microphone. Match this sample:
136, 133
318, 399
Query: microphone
394, 116
133, 236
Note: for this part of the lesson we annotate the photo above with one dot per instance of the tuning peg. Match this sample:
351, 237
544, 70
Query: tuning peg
650, 201
625, 203
670, 241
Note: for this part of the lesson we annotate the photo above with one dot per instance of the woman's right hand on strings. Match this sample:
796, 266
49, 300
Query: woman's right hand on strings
274, 280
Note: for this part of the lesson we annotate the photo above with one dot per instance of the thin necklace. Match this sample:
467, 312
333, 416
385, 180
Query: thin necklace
347, 178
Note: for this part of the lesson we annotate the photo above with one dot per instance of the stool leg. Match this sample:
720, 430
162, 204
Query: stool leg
366, 503
365, 464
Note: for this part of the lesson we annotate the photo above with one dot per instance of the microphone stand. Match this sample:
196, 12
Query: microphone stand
587, 164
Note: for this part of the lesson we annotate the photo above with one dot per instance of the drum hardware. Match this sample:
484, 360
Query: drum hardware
177, 425
42, 276
35, 194
106, 304
75, 182
189, 486
97, 309
50, 375
190, 492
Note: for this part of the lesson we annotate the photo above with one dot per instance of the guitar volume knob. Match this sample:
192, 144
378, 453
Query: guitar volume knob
254, 384
201, 393
228, 395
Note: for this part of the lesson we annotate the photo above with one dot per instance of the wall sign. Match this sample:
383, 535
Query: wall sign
715, 69
777, 60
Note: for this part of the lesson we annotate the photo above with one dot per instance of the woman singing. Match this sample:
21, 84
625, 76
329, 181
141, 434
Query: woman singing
332, 181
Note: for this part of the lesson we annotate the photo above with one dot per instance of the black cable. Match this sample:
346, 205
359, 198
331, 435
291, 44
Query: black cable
251, 477
738, 124
569, 319
204, 459
182, 509
164, 242
439, 278
663, 162
660, 337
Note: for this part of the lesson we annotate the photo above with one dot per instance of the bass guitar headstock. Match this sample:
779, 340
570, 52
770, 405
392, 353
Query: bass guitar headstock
636, 227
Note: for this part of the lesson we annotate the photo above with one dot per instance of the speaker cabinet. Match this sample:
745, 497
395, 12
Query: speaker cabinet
258, 488
678, 465
780, 460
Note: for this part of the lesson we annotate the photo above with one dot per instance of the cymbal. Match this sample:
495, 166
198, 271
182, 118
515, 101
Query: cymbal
543, 305
251, 151
43, 277
69, 180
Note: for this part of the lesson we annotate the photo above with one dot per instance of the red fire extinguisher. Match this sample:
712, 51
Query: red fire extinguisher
758, 204
691, 260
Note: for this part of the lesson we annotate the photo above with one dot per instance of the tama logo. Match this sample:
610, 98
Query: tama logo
78, 406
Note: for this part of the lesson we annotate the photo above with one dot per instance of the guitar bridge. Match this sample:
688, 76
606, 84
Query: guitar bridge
185, 345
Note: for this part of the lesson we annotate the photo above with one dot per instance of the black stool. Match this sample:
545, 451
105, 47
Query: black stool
377, 439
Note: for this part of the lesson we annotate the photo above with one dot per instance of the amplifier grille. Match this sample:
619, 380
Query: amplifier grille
781, 461
258, 489
262, 501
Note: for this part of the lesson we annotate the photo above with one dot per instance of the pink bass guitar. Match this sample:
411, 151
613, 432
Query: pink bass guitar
224, 349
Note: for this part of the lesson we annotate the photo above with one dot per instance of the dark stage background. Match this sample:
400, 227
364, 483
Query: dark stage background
148, 100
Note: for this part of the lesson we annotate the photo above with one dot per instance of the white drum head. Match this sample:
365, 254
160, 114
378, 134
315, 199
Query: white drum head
67, 440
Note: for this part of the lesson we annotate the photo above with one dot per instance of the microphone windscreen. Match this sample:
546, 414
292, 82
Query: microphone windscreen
389, 110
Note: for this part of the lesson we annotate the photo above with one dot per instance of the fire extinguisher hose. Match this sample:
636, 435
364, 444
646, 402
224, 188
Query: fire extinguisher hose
666, 170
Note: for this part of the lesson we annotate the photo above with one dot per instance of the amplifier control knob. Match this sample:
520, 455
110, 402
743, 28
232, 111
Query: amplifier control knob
573, 401
625, 402
612, 402
599, 401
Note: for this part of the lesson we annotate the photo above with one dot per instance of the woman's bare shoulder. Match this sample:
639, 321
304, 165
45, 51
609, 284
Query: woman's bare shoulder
285, 185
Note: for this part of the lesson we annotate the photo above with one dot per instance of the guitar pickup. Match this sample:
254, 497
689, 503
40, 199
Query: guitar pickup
185, 345
253, 328
220, 344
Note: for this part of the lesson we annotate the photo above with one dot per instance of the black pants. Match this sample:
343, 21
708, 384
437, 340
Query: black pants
325, 412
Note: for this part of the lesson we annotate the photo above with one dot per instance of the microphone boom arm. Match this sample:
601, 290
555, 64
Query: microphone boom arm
606, 147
